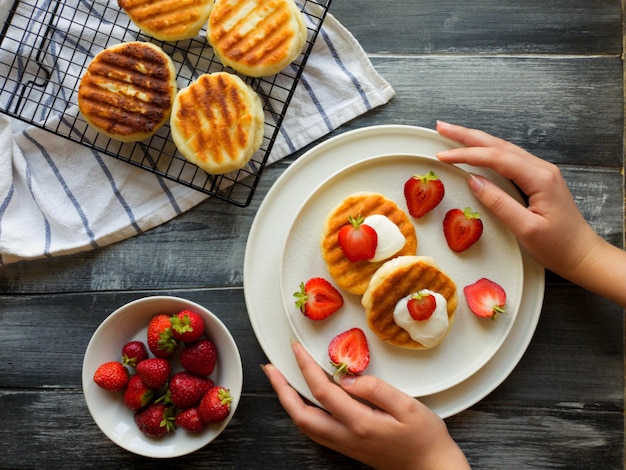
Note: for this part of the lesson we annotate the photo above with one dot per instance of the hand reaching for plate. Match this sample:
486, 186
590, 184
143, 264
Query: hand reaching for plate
551, 228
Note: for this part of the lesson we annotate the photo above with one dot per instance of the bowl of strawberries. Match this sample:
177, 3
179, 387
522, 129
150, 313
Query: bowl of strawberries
162, 376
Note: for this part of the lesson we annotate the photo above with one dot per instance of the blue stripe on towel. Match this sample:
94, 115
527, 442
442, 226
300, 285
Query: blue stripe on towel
46, 222
341, 65
69, 194
3, 209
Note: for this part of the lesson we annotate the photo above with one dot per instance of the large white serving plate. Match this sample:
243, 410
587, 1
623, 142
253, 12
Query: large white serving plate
472, 341
271, 230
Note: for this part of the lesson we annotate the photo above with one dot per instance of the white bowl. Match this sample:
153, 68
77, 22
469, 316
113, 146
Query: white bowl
128, 323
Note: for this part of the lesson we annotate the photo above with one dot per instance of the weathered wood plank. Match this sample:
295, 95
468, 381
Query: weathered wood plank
579, 27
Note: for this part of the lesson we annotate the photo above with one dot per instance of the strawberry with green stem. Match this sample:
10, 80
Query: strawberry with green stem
349, 352
462, 228
161, 341
318, 299
423, 193
357, 240
485, 298
421, 305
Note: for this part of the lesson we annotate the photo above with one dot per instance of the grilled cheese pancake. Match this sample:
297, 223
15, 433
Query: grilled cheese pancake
355, 276
127, 91
168, 20
217, 122
256, 37
396, 279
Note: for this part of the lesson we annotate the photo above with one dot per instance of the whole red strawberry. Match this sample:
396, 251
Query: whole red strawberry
186, 389
462, 228
189, 420
215, 405
318, 299
160, 338
423, 193
349, 351
133, 353
156, 420
357, 240
485, 298
187, 326
421, 305
137, 394
199, 357
111, 376
154, 372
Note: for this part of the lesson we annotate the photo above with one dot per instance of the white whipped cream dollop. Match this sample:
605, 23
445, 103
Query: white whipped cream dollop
427, 332
390, 238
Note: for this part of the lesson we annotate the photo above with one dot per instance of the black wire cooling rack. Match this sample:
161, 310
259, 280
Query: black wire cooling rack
51, 42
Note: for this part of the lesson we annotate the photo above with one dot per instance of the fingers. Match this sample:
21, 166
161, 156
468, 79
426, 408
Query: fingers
475, 138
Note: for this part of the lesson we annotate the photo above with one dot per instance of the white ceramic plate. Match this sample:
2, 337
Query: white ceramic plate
269, 233
128, 323
472, 341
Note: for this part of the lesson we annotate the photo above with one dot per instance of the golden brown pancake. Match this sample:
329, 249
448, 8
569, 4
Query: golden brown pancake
395, 280
354, 277
256, 37
217, 122
168, 20
127, 91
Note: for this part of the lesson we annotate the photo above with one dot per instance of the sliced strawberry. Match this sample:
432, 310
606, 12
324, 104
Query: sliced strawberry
485, 298
421, 305
318, 298
349, 352
423, 193
357, 240
462, 228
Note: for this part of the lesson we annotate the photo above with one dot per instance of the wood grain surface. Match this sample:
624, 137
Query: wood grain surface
547, 75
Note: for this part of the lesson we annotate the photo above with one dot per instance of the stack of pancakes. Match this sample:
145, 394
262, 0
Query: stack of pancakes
382, 284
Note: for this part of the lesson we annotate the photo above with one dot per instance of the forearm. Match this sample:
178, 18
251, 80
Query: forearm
603, 271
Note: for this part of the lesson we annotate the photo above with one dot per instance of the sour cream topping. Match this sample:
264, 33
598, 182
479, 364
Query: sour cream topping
427, 332
390, 238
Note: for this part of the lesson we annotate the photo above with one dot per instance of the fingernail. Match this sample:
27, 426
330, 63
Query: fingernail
442, 123
347, 379
476, 183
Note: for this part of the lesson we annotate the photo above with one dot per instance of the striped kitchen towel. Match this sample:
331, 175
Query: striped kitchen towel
58, 197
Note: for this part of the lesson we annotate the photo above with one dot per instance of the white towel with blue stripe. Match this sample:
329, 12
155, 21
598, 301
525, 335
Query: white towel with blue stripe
58, 197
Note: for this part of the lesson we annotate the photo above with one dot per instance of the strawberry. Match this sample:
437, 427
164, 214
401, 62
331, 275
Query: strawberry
160, 339
199, 357
318, 298
187, 326
357, 240
137, 395
189, 420
154, 372
462, 228
423, 193
349, 352
485, 298
215, 405
421, 305
133, 353
156, 420
111, 376
186, 389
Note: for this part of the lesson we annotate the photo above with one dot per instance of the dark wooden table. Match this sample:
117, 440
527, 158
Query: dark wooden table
546, 75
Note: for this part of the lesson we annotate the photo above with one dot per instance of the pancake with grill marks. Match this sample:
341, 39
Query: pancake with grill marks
127, 91
395, 280
256, 37
354, 277
168, 20
217, 122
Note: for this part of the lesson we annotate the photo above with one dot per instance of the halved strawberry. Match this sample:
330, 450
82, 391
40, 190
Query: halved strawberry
462, 228
349, 352
485, 298
423, 193
357, 240
318, 298
421, 305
